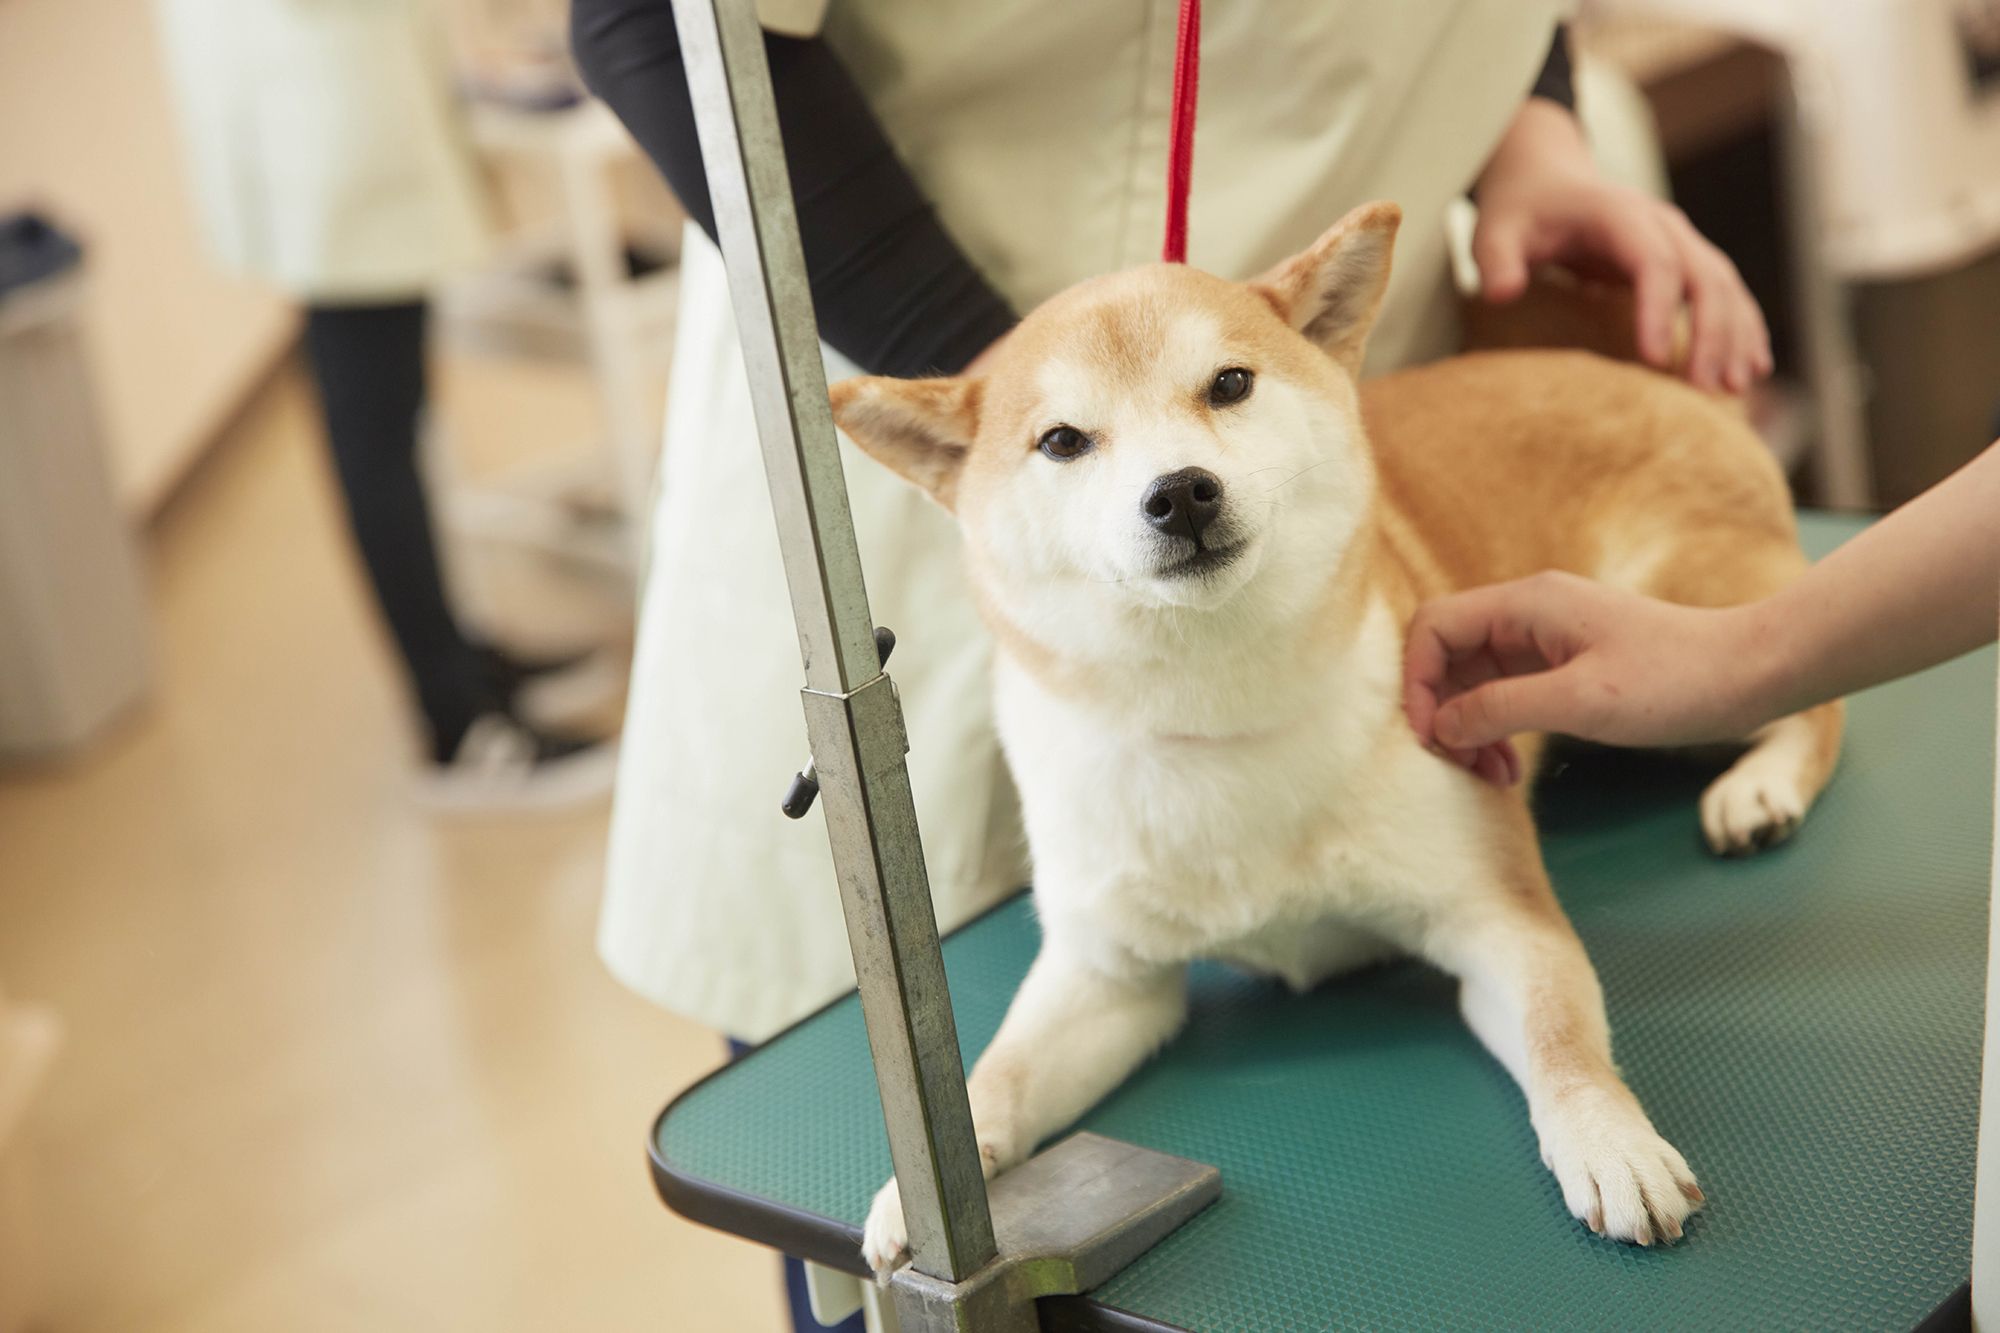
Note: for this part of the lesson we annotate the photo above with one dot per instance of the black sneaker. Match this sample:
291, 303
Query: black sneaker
504, 765
560, 690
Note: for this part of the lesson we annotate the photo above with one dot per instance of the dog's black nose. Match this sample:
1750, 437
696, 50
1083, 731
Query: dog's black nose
1183, 503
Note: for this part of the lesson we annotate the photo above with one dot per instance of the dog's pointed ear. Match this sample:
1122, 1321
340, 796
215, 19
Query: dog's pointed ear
919, 429
1332, 291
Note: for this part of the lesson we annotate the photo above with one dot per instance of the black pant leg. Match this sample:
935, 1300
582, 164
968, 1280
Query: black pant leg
370, 364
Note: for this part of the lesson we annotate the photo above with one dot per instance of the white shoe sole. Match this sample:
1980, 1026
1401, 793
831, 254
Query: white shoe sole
568, 697
583, 778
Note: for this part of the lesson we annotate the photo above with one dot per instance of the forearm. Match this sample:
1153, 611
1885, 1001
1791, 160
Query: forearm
1542, 137
892, 291
1918, 588
1544, 130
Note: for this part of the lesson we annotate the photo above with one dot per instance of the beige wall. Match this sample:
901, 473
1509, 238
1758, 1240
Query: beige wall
86, 132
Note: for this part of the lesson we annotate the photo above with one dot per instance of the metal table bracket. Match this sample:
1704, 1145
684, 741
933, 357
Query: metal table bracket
1072, 1216
1066, 1220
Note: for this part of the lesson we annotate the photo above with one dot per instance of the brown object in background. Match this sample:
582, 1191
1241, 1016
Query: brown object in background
1557, 310
1706, 86
1934, 391
28, 1039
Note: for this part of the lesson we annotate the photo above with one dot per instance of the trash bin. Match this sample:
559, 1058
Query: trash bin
73, 632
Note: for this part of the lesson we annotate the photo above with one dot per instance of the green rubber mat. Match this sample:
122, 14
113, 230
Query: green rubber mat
1803, 1025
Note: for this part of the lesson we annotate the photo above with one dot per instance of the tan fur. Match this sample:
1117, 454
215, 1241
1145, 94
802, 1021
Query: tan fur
1604, 456
1332, 291
1594, 450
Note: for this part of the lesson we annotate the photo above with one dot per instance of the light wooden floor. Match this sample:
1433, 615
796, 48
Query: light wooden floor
331, 1066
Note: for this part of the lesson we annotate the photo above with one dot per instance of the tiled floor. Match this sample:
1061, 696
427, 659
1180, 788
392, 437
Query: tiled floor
331, 1065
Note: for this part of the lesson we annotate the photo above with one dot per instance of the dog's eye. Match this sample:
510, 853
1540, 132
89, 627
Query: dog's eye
1063, 443
1231, 386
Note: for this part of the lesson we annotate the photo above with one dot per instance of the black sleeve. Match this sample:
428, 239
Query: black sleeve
893, 292
1557, 81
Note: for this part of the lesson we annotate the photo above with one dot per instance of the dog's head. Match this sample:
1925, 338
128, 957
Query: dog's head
1157, 438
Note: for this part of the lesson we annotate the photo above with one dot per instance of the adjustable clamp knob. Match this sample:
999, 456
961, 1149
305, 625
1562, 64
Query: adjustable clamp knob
799, 797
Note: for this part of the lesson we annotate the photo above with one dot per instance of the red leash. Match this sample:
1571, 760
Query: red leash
1180, 142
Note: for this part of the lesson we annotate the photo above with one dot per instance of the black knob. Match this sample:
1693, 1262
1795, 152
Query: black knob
800, 795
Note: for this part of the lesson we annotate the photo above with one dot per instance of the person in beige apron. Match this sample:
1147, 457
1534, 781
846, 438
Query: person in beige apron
330, 161
1039, 133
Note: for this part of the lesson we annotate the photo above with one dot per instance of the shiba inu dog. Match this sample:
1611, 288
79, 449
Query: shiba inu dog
1198, 543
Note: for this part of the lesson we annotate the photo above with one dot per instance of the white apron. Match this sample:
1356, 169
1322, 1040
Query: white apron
1040, 131
326, 148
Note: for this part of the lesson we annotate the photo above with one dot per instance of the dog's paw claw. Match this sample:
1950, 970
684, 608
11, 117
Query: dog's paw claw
885, 1240
1618, 1176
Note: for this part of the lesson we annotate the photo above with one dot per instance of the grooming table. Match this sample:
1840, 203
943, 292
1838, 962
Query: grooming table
1804, 1025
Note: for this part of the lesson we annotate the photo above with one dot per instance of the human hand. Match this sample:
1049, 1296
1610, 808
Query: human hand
1560, 653
1541, 200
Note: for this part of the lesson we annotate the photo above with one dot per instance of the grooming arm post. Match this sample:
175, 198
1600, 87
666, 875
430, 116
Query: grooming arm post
1077, 1212
853, 718
853, 715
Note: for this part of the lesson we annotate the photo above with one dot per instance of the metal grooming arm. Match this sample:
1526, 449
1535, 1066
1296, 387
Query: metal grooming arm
1083, 1209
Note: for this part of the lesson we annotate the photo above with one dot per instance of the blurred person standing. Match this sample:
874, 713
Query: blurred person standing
330, 162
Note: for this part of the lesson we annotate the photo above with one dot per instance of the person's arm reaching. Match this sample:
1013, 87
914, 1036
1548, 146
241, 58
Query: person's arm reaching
893, 292
1560, 653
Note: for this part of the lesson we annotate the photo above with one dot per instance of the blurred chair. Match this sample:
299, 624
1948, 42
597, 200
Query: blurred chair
590, 285
575, 276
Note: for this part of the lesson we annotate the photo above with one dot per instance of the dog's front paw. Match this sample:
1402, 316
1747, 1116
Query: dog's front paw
885, 1241
1752, 806
1618, 1176
885, 1237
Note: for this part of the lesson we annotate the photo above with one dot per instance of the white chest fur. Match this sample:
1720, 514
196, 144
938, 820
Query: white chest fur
1312, 843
